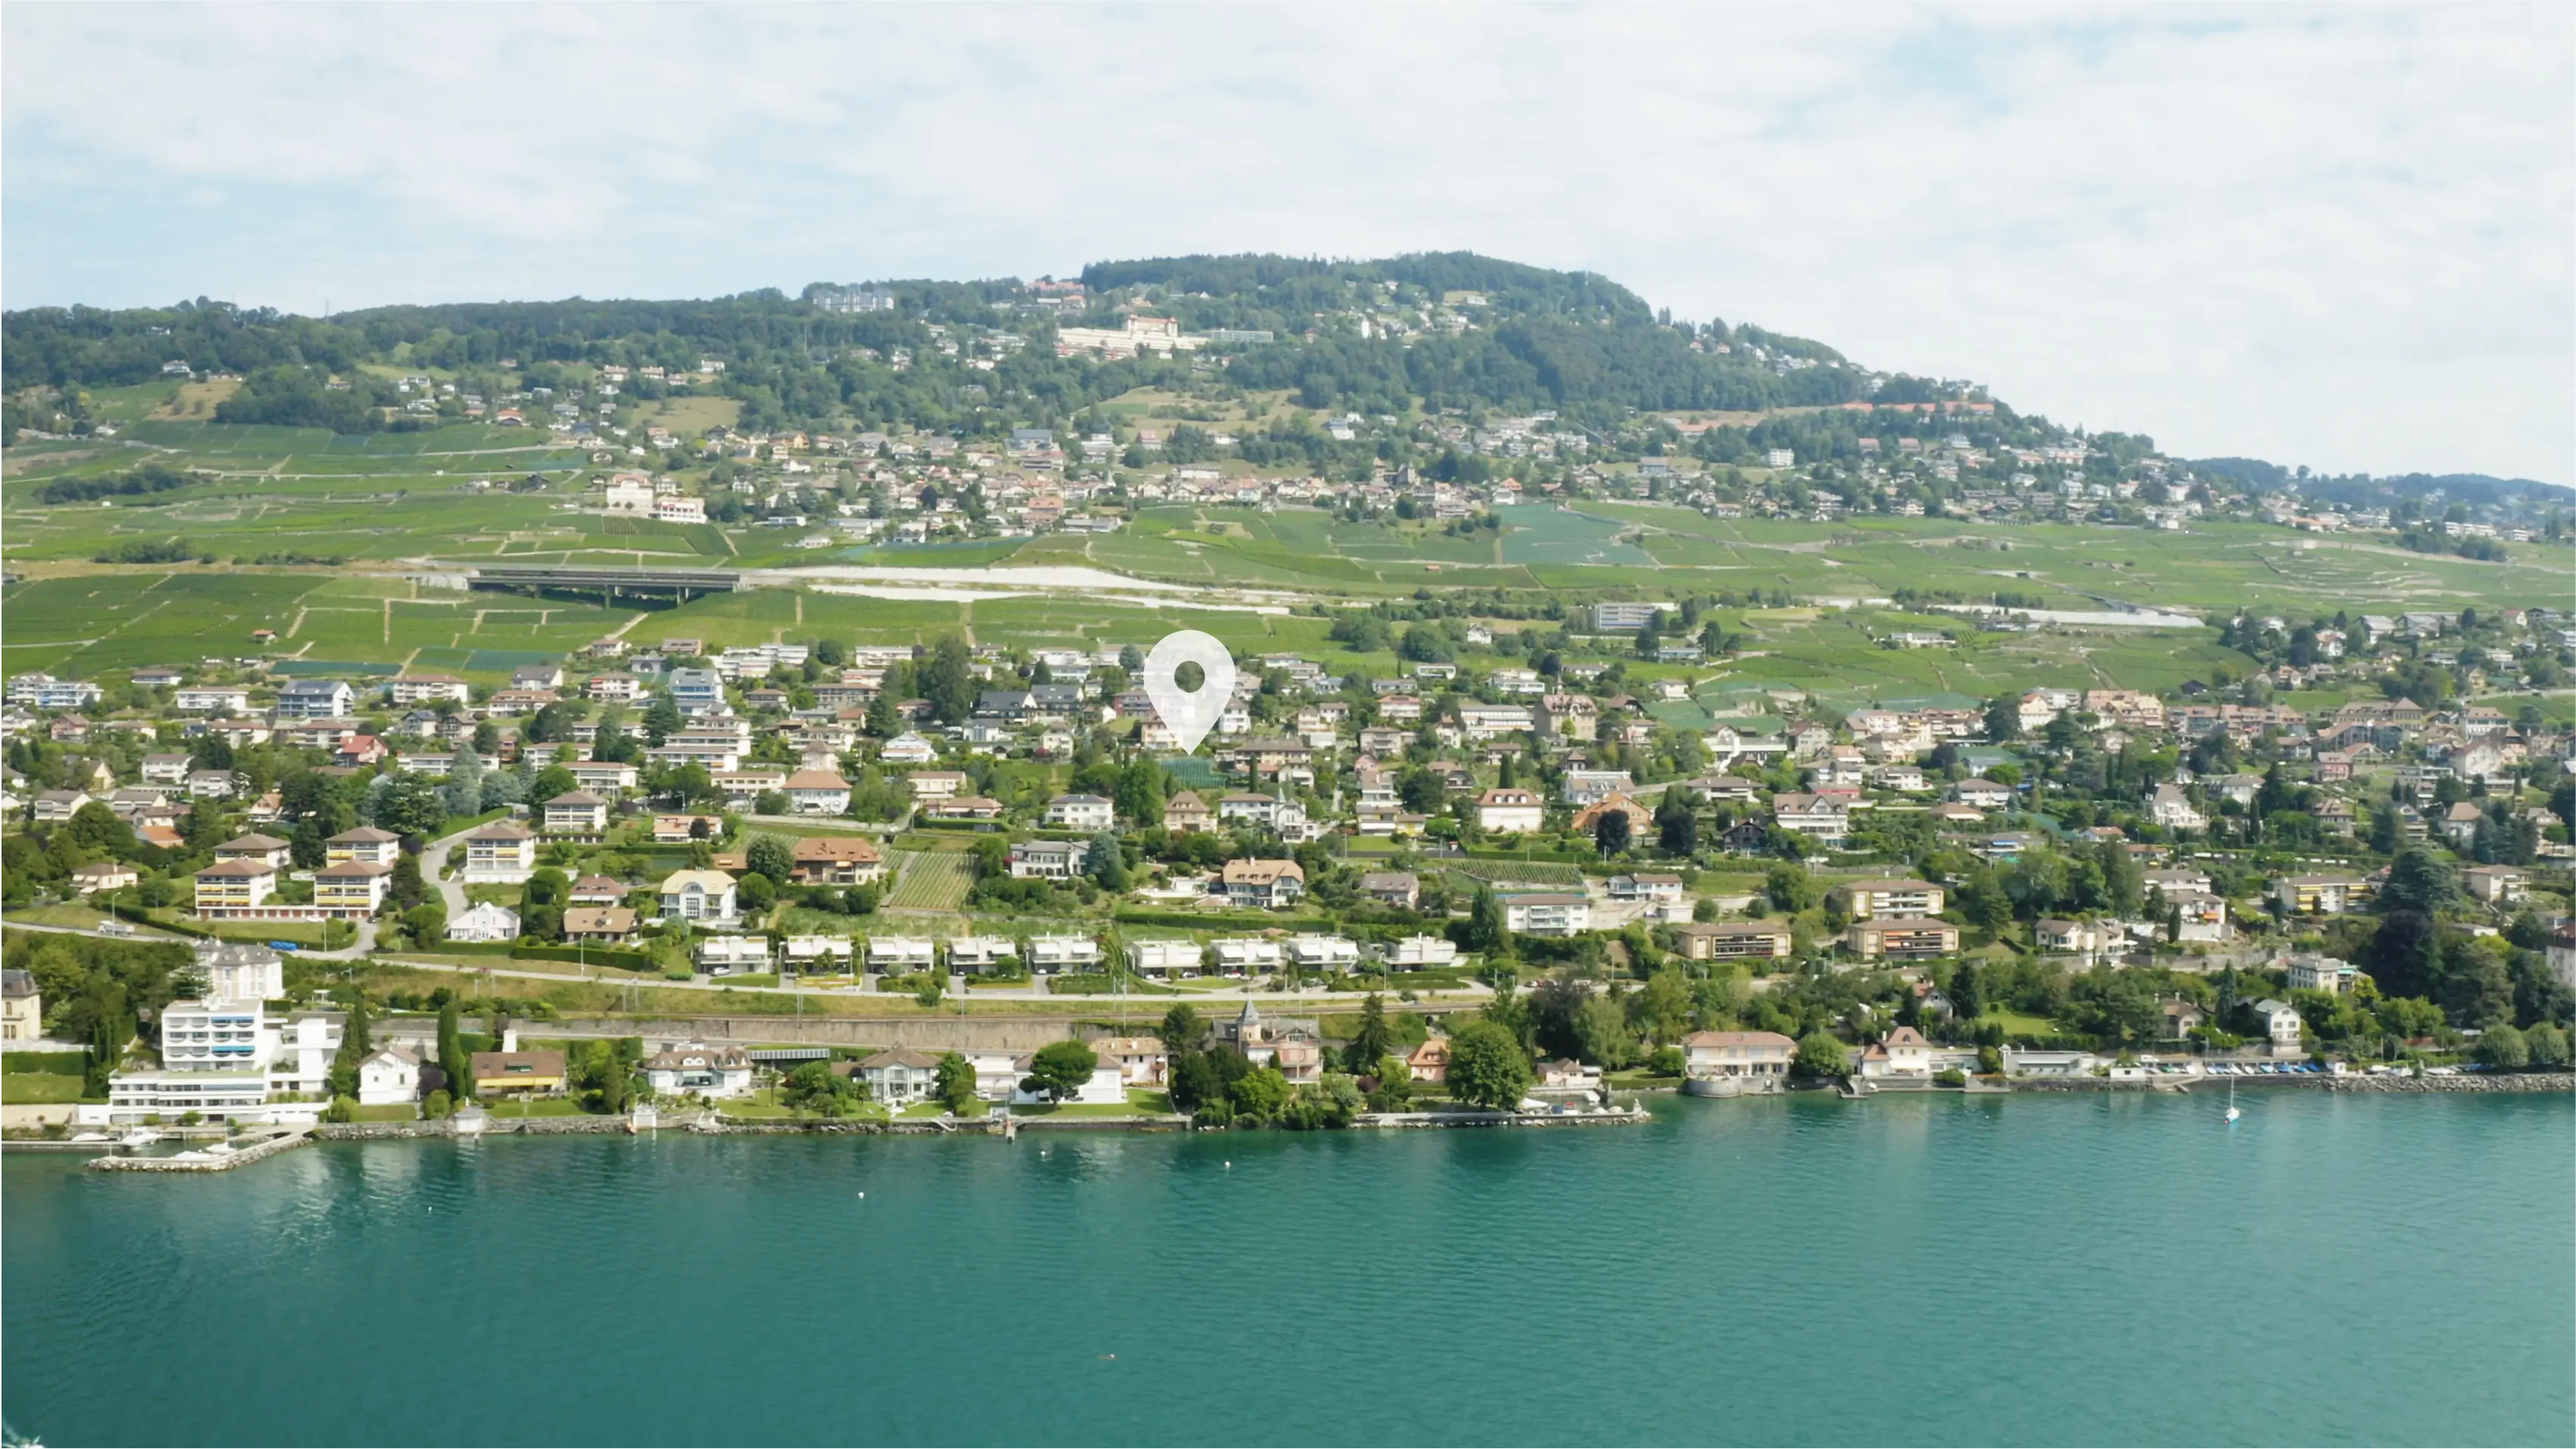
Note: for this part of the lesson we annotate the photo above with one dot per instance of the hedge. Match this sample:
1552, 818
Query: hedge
593, 955
69, 1064
1188, 921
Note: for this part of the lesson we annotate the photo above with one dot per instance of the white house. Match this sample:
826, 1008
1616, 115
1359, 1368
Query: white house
2172, 810
695, 1067
900, 955
697, 895
1548, 914
1165, 958
1079, 812
1509, 810
1323, 953
489, 921
817, 792
2281, 1024
900, 1077
1418, 952
1063, 953
1905, 1054
1759, 1054
388, 1077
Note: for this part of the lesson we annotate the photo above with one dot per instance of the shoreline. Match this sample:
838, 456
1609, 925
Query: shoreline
713, 1123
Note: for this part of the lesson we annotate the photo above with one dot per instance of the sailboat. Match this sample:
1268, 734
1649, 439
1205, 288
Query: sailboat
2232, 1113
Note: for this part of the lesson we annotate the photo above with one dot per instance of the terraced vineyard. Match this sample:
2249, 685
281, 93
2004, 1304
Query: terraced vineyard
930, 881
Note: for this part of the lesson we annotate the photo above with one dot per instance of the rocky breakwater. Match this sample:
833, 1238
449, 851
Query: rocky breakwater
2465, 1082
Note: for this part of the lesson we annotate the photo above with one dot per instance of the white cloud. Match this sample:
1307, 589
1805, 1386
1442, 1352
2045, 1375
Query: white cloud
2335, 236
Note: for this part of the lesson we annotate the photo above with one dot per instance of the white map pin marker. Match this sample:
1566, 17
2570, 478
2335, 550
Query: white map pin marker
1188, 714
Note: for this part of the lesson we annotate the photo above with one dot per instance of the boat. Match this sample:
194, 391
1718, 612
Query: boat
2232, 1113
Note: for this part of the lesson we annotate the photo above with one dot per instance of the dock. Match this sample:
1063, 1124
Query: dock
219, 1157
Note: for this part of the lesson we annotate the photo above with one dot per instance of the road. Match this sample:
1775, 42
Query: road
433, 868
365, 943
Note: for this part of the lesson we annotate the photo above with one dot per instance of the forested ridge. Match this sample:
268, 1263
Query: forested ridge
1373, 337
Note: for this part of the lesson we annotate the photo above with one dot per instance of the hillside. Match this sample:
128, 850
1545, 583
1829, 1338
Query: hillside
1411, 333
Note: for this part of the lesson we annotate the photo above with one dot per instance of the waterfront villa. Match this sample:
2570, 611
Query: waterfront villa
1743, 1054
695, 1067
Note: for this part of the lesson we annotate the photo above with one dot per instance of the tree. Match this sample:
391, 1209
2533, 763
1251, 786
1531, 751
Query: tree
2405, 954
452, 1061
1105, 863
1139, 795
1602, 1034
662, 719
2504, 1048
2548, 1045
947, 680
2419, 880
1487, 1067
815, 1087
405, 888
1610, 832
770, 856
2003, 718
1375, 1037
426, 923
1060, 1070
1261, 1094
465, 782
1488, 931
1182, 1029
1394, 1090
955, 1083
1967, 995
607, 1075
1821, 1054
411, 805
756, 893
1677, 823
1790, 888
883, 722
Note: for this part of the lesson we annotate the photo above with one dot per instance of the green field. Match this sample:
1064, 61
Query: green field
382, 501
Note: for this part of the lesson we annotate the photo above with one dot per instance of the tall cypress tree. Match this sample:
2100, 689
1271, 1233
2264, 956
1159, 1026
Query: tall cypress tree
452, 1060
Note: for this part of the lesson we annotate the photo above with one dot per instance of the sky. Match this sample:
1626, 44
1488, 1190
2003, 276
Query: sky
2342, 237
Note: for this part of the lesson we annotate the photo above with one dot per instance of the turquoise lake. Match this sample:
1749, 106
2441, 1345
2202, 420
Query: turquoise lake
2027, 1269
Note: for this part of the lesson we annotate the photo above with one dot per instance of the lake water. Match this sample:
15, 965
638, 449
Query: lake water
2035, 1268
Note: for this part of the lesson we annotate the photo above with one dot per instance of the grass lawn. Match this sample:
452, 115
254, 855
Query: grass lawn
1139, 1103
39, 1087
2016, 1024
390, 1112
61, 913
764, 1105
1640, 1078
